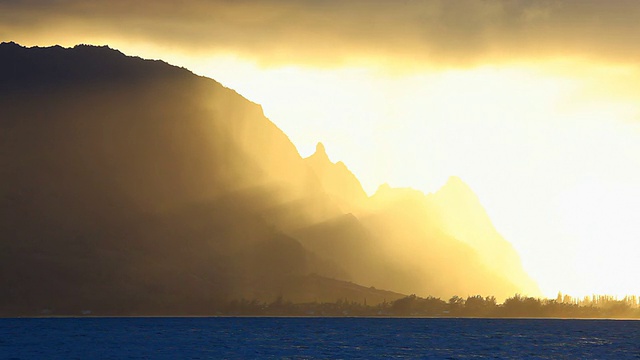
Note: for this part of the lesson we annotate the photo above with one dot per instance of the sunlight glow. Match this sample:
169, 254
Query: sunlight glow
525, 138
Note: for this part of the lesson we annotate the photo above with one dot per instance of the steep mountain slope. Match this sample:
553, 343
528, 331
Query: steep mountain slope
131, 186
337, 181
461, 215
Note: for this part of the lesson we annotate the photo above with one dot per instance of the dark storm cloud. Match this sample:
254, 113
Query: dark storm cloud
441, 31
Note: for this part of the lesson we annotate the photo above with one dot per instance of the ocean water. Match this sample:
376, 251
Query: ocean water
317, 338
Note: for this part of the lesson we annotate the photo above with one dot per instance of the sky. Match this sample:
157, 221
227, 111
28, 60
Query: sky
534, 104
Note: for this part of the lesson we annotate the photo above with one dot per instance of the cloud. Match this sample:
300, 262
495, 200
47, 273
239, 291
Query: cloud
454, 32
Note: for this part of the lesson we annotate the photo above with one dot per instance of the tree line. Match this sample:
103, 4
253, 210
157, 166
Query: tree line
412, 305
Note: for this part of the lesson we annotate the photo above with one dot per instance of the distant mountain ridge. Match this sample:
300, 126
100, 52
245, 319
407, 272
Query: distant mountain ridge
132, 186
451, 221
462, 216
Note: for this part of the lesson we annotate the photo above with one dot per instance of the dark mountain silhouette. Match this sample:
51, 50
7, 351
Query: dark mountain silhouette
131, 186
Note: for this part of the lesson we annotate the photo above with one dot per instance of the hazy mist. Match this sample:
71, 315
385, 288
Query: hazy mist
131, 186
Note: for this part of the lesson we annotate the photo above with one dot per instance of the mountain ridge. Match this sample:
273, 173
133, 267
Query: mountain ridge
167, 193
337, 180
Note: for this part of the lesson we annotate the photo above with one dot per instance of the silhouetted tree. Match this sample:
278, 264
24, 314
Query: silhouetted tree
456, 305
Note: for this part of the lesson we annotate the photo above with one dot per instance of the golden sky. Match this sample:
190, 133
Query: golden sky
534, 104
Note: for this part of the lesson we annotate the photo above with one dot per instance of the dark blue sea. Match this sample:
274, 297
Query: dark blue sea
317, 338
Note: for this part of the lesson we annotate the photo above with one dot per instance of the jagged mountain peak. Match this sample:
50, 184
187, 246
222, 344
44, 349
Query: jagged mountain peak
336, 179
457, 184
320, 149
320, 154
383, 187
455, 190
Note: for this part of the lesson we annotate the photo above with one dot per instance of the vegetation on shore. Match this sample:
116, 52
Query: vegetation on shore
472, 306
